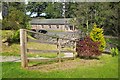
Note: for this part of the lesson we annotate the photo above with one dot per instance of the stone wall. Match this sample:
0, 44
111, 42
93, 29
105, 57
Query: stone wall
51, 27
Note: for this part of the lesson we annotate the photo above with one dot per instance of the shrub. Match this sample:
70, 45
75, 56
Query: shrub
88, 48
114, 51
10, 36
6, 34
97, 36
15, 37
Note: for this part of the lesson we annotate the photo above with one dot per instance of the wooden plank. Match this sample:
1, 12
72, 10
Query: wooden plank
50, 35
74, 48
48, 59
66, 51
42, 51
47, 51
59, 49
39, 41
41, 33
23, 41
67, 58
38, 59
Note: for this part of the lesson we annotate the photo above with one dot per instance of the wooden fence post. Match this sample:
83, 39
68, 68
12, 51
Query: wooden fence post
74, 48
59, 49
23, 40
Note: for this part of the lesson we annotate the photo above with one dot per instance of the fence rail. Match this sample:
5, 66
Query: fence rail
50, 35
38, 41
47, 59
46, 51
23, 42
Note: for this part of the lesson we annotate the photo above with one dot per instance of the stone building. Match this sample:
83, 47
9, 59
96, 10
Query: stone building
52, 24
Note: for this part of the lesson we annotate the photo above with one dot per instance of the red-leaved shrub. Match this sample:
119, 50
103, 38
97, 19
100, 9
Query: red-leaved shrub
88, 48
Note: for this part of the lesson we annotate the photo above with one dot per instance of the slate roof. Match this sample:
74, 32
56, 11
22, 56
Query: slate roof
61, 21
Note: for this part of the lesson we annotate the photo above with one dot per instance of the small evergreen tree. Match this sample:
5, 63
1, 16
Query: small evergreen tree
97, 36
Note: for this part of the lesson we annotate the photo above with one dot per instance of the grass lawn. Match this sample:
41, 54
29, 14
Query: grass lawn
14, 50
106, 67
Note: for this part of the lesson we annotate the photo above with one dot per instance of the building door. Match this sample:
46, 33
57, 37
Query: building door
71, 27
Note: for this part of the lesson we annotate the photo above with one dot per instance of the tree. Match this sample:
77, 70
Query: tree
113, 19
83, 16
54, 10
4, 9
36, 7
70, 8
16, 17
105, 15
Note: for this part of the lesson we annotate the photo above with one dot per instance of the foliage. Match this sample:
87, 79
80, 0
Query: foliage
114, 51
114, 41
14, 17
36, 7
11, 36
104, 14
6, 34
16, 36
97, 36
88, 48
70, 9
53, 10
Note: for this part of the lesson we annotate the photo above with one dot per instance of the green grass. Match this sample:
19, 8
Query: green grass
14, 50
106, 67
7, 33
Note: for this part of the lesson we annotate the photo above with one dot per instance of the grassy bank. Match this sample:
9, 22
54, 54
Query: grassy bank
106, 67
14, 50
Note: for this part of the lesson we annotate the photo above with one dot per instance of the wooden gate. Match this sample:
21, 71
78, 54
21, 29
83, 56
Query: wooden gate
24, 39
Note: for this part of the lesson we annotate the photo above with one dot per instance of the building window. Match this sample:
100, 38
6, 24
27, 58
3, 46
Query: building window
42, 26
57, 26
71, 27
49, 26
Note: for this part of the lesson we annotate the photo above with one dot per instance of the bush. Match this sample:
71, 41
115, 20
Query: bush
6, 34
15, 37
97, 36
114, 51
10, 36
88, 48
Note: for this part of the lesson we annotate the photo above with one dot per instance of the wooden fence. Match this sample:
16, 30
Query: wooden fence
23, 44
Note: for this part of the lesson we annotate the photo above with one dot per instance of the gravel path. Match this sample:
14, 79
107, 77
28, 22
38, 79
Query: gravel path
9, 59
17, 58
